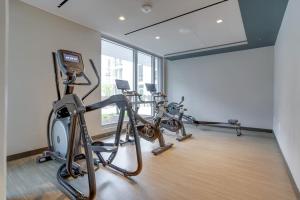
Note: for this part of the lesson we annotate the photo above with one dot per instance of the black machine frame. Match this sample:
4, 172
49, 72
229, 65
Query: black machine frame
149, 131
169, 122
174, 107
70, 105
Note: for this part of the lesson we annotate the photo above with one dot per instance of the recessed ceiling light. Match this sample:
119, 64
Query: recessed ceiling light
219, 21
122, 18
157, 37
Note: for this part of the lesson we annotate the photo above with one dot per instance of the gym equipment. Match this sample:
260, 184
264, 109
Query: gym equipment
67, 132
176, 110
169, 122
146, 130
231, 123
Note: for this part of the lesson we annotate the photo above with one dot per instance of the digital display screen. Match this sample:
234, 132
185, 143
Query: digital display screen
71, 58
150, 87
122, 84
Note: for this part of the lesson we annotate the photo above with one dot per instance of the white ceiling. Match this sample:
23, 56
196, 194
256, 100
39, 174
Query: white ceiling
201, 28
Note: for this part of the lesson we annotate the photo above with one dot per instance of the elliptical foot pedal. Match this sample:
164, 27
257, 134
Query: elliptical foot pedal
181, 138
42, 159
76, 170
159, 150
64, 174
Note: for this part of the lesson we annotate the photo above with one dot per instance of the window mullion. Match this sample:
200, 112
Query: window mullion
153, 69
135, 74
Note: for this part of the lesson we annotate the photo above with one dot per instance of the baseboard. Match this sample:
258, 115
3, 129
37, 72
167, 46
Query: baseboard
26, 154
41, 150
292, 180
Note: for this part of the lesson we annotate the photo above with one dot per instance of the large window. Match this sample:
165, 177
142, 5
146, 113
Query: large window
126, 63
145, 71
117, 63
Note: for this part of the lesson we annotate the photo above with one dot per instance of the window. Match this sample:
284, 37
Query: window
117, 63
145, 76
123, 62
140, 72
158, 73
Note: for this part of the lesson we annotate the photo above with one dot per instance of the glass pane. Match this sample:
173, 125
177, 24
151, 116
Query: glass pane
144, 75
117, 63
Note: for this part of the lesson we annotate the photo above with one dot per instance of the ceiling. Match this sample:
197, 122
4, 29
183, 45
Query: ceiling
186, 28
196, 30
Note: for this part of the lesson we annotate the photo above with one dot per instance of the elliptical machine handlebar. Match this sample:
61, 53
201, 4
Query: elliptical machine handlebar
71, 80
98, 80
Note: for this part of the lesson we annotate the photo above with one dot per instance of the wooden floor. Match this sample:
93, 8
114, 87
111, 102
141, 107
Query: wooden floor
212, 165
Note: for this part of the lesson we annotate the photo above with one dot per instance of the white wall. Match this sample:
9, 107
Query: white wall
3, 94
232, 85
287, 88
34, 34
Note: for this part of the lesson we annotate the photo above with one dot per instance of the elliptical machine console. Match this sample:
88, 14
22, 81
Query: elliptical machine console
151, 87
70, 62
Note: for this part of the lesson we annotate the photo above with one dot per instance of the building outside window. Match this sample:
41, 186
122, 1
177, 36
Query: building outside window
118, 63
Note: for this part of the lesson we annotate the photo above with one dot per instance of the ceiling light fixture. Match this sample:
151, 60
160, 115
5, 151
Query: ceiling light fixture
122, 18
157, 37
219, 21
146, 8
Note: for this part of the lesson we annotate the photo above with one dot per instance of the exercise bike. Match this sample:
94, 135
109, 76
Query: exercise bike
67, 133
169, 122
149, 131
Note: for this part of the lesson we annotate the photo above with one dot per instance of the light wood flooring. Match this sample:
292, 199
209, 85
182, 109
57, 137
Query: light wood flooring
212, 165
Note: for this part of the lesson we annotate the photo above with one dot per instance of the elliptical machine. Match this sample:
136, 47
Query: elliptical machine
168, 122
67, 132
149, 131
